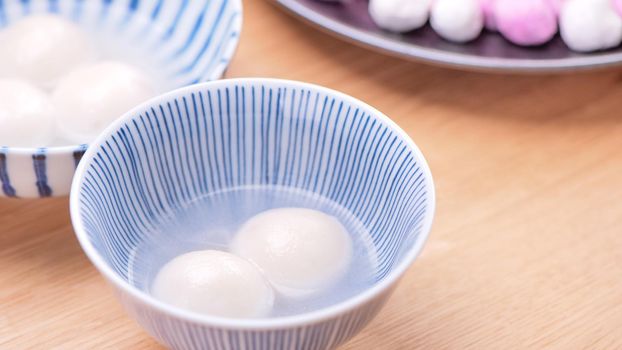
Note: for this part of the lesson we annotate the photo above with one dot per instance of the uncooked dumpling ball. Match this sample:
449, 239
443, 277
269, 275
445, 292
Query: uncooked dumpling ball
556, 5
214, 283
42, 48
590, 25
26, 115
488, 11
91, 97
457, 20
400, 15
301, 251
526, 22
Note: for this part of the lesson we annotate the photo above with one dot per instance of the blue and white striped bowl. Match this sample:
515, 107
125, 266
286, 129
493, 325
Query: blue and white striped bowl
215, 136
186, 41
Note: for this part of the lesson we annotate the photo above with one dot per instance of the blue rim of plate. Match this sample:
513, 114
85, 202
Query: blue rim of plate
325, 16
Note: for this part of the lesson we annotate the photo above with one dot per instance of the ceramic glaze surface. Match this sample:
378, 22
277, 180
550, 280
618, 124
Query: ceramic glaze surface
179, 42
249, 132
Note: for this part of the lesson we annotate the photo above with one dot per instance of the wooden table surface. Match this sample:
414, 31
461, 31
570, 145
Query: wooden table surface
526, 250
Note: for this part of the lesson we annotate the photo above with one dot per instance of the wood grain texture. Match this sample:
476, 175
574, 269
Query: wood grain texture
526, 251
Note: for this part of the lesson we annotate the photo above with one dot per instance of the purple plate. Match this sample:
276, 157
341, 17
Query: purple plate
489, 52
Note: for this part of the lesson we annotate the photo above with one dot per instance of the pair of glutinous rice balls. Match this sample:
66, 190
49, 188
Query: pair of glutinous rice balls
55, 89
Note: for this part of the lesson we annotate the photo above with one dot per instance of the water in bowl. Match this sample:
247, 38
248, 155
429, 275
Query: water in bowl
210, 222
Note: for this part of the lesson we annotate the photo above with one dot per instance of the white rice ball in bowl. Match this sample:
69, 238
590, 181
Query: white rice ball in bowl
168, 43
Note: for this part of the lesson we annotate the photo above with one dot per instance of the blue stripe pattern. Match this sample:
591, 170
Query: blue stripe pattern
328, 334
7, 189
78, 154
38, 161
229, 134
183, 41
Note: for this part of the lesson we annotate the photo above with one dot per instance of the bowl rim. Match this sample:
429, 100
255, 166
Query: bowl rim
218, 72
312, 317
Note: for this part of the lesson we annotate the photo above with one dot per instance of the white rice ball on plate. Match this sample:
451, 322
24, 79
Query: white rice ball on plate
400, 15
457, 20
590, 25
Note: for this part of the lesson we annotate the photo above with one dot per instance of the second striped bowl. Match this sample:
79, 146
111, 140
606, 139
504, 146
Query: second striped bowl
185, 41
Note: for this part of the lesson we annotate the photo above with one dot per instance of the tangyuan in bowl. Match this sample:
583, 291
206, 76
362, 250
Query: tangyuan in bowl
237, 178
69, 68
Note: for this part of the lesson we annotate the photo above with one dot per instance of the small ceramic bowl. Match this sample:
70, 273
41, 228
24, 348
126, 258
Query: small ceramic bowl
227, 134
184, 41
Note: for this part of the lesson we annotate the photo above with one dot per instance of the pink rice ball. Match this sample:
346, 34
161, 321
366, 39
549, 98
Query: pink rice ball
556, 5
525, 22
489, 17
617, 5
